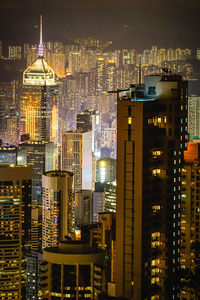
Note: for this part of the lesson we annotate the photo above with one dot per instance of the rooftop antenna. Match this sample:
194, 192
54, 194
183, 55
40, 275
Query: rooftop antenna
40, 48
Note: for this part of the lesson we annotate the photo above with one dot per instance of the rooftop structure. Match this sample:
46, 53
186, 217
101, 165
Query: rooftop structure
39, 73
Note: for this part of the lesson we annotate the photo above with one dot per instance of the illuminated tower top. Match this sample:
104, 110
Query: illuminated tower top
39, 72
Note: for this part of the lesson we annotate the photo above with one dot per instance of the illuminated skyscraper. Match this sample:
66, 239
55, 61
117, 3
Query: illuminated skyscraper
57, 219
77, 157
106, 170
39, 98
151, 139
15, 233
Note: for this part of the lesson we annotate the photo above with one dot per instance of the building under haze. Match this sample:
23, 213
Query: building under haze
151, 139
76, 157
15, 233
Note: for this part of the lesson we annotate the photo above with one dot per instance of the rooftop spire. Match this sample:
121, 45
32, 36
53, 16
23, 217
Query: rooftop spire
40, 47
40, 30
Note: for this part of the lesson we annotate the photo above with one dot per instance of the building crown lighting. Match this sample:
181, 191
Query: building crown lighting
39, 72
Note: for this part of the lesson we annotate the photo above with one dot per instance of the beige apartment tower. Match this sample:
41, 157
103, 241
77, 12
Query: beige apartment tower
56, 207
151, 139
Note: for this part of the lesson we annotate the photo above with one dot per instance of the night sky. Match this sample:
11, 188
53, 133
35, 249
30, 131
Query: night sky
129, 23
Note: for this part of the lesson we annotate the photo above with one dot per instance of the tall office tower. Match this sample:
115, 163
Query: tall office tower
40, 156
106, 170
56, 207
190, 212
77, 157
83, 207
15, 233
39, 99
90, 120
194, 116
151, 139
72, 270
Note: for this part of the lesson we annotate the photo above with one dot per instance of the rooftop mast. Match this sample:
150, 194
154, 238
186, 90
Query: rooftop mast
40, 47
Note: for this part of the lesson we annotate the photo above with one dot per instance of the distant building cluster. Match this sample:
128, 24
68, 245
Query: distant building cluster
99, 172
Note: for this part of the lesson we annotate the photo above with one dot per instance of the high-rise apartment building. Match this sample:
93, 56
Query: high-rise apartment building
151, 139
57, 218
190, 213
15, 233
83, 207
76, 157
14, 52
194, 116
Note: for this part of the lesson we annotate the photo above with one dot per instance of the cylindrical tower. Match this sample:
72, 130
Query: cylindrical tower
56, 207
73, 270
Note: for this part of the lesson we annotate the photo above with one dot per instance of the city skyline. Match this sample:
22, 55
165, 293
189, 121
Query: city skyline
99, 150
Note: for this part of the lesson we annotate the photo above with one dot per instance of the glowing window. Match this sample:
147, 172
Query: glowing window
156, 171
102, 163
